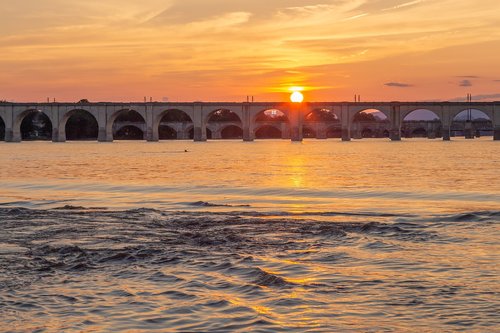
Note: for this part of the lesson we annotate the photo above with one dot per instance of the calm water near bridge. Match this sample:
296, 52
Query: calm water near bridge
262, 236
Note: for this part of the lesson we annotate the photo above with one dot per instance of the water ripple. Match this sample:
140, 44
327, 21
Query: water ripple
148, 269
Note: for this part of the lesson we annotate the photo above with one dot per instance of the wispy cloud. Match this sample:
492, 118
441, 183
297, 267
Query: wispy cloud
468, 77
356, 17
403, 5
484, 97
398, 85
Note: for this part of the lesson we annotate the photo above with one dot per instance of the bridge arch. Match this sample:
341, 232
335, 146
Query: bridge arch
128, 117
128, 132
382, 112
224, 115
367, 132
317, 121
78, 124
322, 115
477, 113
231, 131
219, 119
33, 124
419, 132
166, 132
265, 120
369, 123
308, 132
334, 131
174, 116
471, 122
421, 113
172, 120
422, 122
271, 115
268, 131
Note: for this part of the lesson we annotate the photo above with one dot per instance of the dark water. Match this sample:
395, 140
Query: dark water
318, 237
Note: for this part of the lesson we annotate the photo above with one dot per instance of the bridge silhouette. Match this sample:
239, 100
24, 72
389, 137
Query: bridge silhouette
248, 120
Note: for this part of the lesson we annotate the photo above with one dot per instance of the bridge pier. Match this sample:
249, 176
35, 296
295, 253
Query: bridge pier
109, 135
200, 127
345, 124
356, 131
57, 136
296, 122
395, 134
155, 134
496, 133
346, 134
247, 134
61, 137
9, 135
16, 136
468, 131
296, 134
198, 135
101, 135
431, 134
149, 136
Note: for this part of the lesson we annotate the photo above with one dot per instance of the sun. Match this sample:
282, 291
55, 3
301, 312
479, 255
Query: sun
297, 97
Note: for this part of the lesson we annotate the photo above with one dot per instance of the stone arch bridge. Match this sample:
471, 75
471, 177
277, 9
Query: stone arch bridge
199, 114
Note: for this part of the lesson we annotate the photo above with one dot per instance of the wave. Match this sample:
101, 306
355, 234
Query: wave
93, 238
247, 263
266, 279
208, 204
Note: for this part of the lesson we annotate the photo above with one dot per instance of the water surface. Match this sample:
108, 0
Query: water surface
267, 236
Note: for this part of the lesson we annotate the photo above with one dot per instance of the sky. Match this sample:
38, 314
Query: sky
225, 50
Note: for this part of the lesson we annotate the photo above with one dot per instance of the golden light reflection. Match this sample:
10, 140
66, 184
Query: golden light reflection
260, 309
296, 167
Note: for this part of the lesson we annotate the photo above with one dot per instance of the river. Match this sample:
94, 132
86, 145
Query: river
265, 236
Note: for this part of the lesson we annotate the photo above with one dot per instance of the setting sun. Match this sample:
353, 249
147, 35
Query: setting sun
297, 97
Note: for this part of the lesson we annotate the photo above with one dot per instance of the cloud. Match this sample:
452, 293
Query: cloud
468, 77
485, 97
475, 98
403, 5
465, 83
187, 11
398, 85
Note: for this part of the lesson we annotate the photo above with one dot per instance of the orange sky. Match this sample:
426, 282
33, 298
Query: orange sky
223, 50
